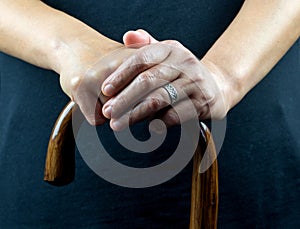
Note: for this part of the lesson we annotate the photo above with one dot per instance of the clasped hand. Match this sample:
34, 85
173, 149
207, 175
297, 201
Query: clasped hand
137, 92
135, 76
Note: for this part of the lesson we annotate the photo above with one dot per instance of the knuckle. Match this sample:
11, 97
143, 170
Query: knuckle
122, 100
119, 105
190, 60
71, 84
84, 80
145, 80
143, 77
146, 58
208, 108
204, 113
164, 100
201, 108
211, 101
175, 43
153, 104
73, 87
142, 57
119, 79
91, 74
172, 118
151, 54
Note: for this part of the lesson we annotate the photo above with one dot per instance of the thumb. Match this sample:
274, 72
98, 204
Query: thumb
138, 38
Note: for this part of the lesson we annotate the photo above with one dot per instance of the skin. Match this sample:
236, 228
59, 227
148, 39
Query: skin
255, 41
48, 38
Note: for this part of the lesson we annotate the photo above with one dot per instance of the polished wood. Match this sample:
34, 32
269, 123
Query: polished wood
60, 169
60, 159
205, 191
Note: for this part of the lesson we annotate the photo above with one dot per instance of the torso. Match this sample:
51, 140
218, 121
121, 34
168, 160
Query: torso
258, 164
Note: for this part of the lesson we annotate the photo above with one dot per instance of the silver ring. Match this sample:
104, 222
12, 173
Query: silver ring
172, 92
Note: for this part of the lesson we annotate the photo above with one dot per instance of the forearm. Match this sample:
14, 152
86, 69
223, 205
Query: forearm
259, 36
43, 36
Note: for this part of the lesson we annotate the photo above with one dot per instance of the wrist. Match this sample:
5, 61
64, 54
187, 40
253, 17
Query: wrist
230, 87
64, 55
69, 40
79, 50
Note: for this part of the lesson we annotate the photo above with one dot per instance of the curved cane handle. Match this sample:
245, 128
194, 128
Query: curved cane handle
60, 159
60, 169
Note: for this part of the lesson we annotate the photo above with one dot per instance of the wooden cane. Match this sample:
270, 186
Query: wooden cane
60, 169
205, 189
60, 159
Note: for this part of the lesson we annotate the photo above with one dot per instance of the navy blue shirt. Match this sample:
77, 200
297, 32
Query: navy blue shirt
259, 173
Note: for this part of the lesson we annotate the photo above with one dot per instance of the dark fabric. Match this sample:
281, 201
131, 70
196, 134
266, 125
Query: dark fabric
258, 164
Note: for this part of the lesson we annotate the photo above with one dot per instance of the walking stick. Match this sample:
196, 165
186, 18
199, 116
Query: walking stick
60, 169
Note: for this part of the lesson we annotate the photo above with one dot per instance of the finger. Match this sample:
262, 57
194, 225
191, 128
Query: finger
160, 98
144, 84
137, 39
121, 123
153, 103
143, 111
91, 111
184, 111
145, 33
84, 94
174, 43
145, 58
124, 121
178, 114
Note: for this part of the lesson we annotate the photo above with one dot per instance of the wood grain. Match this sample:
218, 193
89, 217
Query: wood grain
60, 159
205, 191
60, 169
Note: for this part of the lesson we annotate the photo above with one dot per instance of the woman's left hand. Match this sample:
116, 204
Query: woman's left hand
139, 91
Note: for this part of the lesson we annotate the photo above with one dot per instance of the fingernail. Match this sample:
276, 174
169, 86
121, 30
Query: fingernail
107, 112
116, 125
157, 127
108, 90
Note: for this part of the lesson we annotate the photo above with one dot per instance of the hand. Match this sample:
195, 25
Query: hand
54, 40
137, 87
82, 75
87, 67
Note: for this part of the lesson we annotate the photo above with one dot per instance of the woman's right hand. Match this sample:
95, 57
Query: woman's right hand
85, 66
82, 73
51, 39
